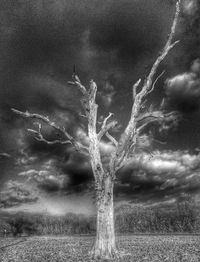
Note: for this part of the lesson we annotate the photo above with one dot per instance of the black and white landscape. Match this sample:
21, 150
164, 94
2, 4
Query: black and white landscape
99, 130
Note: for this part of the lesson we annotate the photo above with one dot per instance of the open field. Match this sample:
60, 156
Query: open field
136, 248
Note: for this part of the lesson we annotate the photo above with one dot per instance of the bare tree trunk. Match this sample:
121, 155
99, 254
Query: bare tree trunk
104, 245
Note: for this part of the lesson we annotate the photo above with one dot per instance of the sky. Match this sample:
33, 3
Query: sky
114, 43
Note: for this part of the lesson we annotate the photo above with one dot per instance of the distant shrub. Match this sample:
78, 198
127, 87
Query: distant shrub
22, 224
184, 217
5, 229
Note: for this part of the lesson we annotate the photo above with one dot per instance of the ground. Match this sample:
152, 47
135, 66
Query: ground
75, 249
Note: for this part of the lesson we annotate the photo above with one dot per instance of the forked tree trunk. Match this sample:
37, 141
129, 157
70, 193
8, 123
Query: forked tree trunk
104, 245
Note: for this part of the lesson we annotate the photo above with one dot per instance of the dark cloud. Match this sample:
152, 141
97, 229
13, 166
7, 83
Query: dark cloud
42, 41
166, 176
183, 91
182, 94
15, 194
123, 28
107, 94
79, 173
190, 31
46, 179
114, 43
190, 7
54, 176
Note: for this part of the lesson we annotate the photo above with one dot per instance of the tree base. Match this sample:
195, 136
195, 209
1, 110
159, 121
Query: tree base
104, 254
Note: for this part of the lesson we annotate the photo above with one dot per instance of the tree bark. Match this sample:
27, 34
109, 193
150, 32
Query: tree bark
104, 245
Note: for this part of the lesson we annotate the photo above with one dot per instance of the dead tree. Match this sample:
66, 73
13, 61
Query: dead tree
105, 174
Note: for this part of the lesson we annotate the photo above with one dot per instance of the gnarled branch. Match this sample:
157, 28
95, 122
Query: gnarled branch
39, 136
130, 132
156, 116
106, 119
146, 116
112, 139
168, 46
154, 83
5, 155
90, 107
77, 145
94, 147
81, 87
106, 127
135, 86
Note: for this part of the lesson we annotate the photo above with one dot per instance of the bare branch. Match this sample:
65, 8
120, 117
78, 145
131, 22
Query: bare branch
106, 127
143, 105
112, 139
157, 116
5, 155
92, 110
94, 148
123, 163
82, 115
78, 84
168, 46
135, 86
127, 136
140, 129
106, 119
146, 116
162, 104
39, 136
159, 142
78, 146
154, 83
130, 133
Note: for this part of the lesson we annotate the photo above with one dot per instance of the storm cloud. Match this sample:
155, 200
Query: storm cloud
15, 194
114, 43
42, 41
159, 177
165, 176
183, 91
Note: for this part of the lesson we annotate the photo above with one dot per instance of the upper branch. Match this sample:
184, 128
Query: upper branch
106, 119
112, 139
79, 85
156, 116
85, 99
39, 136
94, 147
148, 115
154, 83
92, 110
90, 107
168, 46
78, 146
135, 86
130, 134
106, 127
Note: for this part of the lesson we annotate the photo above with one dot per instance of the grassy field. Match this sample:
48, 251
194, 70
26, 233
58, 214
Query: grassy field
68, 249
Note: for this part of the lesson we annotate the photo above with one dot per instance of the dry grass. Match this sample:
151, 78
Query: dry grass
75, 249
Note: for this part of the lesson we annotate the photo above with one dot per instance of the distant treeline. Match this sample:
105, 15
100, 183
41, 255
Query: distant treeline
184, 217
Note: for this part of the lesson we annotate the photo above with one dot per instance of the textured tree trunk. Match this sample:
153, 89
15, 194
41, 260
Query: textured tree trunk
104, 245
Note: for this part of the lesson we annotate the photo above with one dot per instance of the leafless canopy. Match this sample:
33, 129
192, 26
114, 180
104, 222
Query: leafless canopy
139, 118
